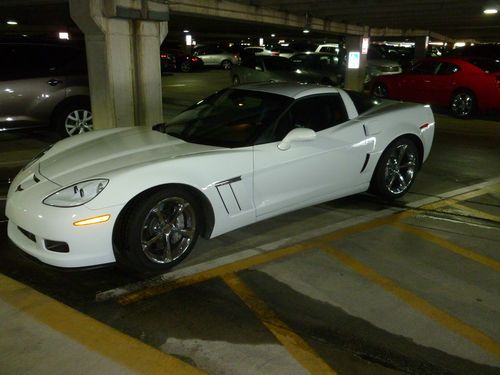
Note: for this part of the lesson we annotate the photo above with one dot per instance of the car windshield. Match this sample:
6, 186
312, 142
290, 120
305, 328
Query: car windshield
230, 118
486, 65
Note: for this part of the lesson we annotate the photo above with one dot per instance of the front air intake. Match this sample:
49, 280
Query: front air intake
56, 246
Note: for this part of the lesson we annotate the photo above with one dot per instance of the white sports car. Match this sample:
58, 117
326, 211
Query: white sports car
142, 196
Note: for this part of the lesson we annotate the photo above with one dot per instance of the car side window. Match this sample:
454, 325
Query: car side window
23, 62
447, 69
316, 113
426, 67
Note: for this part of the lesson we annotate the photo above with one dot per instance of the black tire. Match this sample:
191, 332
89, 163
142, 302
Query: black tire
396, 169
236, 80
73, 117
158, 231
463, 103
185, 67
226, 64
379, 90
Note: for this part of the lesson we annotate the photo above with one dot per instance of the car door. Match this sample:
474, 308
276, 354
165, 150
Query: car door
254, 71
420, 84
443, 83
311, 171
30, 87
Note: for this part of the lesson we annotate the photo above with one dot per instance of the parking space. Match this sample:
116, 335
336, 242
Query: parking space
413, 290
352, 286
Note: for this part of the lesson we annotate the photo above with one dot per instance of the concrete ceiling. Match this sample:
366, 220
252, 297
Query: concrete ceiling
458, 19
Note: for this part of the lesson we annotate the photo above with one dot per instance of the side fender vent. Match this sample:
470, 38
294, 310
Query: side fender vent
367, 158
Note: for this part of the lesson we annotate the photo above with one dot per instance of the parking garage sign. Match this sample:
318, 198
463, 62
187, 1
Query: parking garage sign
353, 62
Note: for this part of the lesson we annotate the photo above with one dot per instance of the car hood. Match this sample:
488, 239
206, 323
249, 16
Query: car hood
97, 153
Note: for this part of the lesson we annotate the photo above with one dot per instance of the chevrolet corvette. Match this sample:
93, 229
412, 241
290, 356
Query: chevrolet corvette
142, 196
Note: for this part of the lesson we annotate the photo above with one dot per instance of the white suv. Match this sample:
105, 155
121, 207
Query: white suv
215, 56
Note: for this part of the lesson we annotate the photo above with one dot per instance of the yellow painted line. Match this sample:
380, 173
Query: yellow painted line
213, 273
295, 345
287, 251
449, 321
476, 213
460, 197
256, 260
98, 337
484, 260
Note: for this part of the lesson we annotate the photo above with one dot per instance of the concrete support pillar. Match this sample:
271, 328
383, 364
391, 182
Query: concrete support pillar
122, 39
354, 78
421, 43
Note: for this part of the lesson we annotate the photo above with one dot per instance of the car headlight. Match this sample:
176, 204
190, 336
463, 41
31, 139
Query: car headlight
76, 194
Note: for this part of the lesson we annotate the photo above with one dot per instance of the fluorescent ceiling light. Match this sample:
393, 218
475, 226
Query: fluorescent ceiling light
11, 22
305, 31
490, 11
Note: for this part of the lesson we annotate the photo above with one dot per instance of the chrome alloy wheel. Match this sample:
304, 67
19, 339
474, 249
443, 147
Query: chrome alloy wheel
168, 230
462, 104
78, 121
400, 169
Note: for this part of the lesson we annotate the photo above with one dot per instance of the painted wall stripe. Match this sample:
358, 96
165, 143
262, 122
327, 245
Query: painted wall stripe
96, 336
450, 322
295, 345
482, 259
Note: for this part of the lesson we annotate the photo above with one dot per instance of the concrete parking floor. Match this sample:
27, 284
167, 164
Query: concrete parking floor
353, 286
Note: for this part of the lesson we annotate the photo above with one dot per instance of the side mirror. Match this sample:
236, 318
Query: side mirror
296, 135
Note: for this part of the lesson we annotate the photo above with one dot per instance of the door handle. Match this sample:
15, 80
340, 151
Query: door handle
54, 82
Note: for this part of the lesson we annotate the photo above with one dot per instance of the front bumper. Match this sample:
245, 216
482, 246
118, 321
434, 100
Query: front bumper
32, 225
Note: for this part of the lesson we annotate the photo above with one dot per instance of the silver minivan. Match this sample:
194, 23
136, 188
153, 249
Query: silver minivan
44, 84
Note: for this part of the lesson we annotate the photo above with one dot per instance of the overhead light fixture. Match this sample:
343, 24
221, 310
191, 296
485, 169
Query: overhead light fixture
490, 11
11, 22
307, 23
186, 31
64, 35
273, 35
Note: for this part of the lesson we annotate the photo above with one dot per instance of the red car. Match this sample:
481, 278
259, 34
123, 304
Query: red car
465, 85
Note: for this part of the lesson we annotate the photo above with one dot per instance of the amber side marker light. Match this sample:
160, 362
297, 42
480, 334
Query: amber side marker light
92, 220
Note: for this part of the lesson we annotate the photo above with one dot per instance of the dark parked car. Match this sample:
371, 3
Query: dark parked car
325, 67
491, 51
464, 85
44, 84
266, 69
275, 68
177, 60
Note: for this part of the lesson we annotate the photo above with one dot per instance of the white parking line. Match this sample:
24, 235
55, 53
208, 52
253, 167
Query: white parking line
191, 270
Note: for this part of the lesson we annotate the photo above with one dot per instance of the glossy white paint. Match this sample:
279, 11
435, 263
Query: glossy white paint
242, 185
